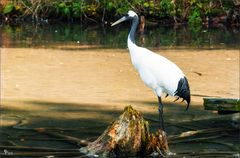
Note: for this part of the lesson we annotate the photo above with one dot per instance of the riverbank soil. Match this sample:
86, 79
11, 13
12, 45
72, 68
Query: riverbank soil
79, 92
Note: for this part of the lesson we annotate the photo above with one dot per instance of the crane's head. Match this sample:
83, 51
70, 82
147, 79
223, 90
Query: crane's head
130, 15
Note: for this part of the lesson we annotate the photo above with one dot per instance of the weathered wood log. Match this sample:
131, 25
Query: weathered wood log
222, 105
128, 136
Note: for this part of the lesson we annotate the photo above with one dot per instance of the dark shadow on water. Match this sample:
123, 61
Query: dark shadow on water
88, 121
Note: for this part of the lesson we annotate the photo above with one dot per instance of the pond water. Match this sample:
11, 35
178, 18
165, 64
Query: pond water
50, 35
75, 80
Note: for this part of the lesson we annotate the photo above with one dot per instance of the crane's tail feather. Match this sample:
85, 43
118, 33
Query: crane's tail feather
183, 91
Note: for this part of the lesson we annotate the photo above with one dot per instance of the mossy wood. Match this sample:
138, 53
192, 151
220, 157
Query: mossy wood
128, 136
222, 105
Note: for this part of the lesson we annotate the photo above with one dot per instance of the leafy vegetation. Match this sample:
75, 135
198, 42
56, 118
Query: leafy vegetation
8, 8
195, 12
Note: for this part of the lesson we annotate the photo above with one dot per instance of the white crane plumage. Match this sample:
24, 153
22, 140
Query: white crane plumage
156, 71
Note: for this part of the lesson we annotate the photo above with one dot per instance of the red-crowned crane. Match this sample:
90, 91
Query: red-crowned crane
156, 71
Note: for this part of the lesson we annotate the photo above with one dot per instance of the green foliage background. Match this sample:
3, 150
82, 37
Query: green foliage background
192, 11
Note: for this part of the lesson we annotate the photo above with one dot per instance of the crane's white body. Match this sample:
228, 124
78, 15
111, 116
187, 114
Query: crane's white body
156, 71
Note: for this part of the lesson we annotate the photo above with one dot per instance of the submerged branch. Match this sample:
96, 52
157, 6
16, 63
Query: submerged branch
67, 138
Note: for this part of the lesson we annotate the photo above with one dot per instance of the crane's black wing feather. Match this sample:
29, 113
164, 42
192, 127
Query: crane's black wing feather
183, 90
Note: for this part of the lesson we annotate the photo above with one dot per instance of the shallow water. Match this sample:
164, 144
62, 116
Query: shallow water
50, 80
51, 35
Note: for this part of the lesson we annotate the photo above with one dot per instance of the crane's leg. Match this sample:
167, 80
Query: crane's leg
160, 110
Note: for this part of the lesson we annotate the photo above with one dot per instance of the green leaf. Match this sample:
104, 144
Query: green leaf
110, 5
76, 9
66, 11
146, 4
8, 8
199, 5
151, 4
192, 2
62, 5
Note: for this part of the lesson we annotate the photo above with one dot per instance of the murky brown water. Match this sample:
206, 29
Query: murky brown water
79, 92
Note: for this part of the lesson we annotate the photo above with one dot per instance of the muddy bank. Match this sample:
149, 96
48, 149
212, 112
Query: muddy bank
107, 76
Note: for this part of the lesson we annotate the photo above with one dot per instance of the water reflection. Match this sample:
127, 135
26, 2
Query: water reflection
52, 35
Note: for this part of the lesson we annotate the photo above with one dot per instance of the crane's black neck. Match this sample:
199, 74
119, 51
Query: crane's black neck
132, 32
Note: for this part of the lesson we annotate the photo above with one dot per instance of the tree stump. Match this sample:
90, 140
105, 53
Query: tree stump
128, 136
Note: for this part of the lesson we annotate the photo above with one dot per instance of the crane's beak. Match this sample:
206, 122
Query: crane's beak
120, 20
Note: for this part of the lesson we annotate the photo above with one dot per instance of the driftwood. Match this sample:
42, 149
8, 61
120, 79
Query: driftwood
128, 136
222, 105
